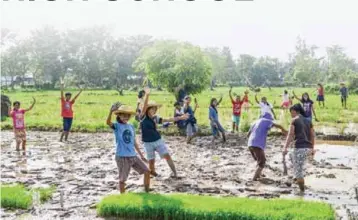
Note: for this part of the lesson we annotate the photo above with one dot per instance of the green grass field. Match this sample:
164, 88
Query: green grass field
92, 107
185, 206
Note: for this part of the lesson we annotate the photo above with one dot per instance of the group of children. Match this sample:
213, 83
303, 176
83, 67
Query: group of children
301, 129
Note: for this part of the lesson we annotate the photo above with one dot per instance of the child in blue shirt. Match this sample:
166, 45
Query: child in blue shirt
126, 146
216, 127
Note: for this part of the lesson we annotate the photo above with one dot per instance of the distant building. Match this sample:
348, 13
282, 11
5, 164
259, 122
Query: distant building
28, 80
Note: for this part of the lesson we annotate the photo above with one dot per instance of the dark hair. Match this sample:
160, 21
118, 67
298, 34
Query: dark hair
285, 92
212, 104
308, 96
298, 108
68, 94
141, 94
119, 119
176, 104
16, 102
320, 85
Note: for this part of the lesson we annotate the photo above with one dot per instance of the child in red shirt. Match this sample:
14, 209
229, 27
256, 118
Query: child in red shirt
18, 118
66, 111
236, 108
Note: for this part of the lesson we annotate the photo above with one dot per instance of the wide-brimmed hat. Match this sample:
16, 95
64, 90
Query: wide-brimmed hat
124, 109
153, 104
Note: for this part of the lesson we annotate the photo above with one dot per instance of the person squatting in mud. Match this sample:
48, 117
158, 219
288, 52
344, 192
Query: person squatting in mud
67, 111
257, 140
126, 146
18, 119
302, 133
191, 126
215, 125
151, 137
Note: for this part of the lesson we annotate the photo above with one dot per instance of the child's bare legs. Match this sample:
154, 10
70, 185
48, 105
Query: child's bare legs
24, 145
233, 127
62, 134
147, 181
171, 164
152, 167
18, 145
223, 136
66, 135
122, 186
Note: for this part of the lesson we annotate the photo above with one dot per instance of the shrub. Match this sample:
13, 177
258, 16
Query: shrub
184, 206
46, 193
15, 197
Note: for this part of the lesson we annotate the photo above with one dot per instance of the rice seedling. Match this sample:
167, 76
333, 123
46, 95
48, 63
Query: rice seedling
15, 196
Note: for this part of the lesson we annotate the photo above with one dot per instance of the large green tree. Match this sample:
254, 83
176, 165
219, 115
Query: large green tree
171, 64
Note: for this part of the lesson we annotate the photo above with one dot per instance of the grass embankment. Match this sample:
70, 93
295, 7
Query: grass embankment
18, 197
183, 206
91, 108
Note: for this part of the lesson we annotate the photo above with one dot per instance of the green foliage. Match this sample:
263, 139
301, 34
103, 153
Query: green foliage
46, 193
15, 196
171, 64
185, 206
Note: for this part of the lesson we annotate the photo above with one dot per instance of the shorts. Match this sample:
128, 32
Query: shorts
125, 164
259, 155
191, 129
67, 124
309, 119
156, 146
217, 129
236, 119
285, 104
320, 98
20, 135
299, 157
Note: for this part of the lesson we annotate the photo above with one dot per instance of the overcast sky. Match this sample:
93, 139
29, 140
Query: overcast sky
259, 27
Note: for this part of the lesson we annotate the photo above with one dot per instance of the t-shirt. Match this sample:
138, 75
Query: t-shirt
236, 107
307, 107
67, 111
180, 123
286, 98
343, 91
320, 91
213, 114
265, 107
191, 118
259, 131
149, 129
18, 118
302, 132
125, 139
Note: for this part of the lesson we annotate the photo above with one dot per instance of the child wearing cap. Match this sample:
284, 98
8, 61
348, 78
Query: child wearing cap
66, 111
126, 146
18, 118
151, 137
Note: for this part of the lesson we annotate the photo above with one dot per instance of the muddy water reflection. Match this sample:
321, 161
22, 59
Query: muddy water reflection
84, 170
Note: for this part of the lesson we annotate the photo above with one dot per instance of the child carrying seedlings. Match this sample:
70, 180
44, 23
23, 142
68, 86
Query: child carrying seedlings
18, 119
302, 133
307, 104
191, 126
151, 137
344, 95
236, 111
257, 140
67, 111
214, 120
126, 146
265, 106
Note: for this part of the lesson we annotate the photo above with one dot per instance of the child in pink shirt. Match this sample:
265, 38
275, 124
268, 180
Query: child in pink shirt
18, 119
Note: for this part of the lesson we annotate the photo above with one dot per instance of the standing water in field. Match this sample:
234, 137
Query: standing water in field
84, 171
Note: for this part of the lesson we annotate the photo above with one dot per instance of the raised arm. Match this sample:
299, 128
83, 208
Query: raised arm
294, 95
232, 100
109, 117
145, 104
221, 98
196, 105
62, 86
257, 101
78, 94
273, 112
32, 105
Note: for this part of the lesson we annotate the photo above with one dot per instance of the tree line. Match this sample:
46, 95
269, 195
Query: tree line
98, 59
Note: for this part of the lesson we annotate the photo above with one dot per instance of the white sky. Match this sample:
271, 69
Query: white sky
260, 27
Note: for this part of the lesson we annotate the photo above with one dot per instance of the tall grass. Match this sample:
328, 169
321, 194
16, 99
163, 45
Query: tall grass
91, 108
15, 197
184, 206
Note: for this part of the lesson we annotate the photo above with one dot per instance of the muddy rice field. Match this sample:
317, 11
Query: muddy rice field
84, 170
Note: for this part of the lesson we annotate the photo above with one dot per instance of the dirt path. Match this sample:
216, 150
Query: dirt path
84, 170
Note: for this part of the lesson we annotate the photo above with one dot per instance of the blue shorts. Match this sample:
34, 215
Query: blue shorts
309, 119
156, 146
191, 129
236, 119
67, 123
320, 98
215, 130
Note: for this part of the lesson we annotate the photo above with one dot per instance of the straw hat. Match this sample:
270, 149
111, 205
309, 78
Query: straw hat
153, 104
123, 109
